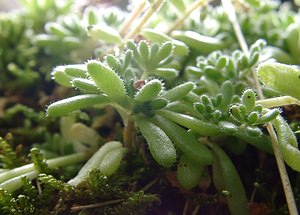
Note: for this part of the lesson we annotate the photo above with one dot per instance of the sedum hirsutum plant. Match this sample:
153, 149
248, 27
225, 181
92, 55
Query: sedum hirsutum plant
74, 37
66, 34
18, 56
21, 56
188, 94
131, 86
281, 33
41, 12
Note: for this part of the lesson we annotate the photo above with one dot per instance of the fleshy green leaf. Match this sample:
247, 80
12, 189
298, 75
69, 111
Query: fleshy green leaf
61, 77
201, 43
237, 200
189, 173
288, 143
160, 145
281, 77
68, 105
107, 80
179, 91
104, 33
149, 91
111, 161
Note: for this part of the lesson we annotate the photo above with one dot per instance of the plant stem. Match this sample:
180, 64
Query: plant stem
179, 22
149, 185
153, 8
3, 170
15, 183
282, 171
67, 160
196, 210
229, 8
129, 134
16, 172
278, 101
52, 163
97, 205
185, 208
135, 13
13, 179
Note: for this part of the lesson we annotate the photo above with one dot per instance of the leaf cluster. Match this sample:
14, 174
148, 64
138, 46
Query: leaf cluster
17, 54
155, 60
125, 76
267, 20
152, 107
66, 34
213, 70
41, 12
